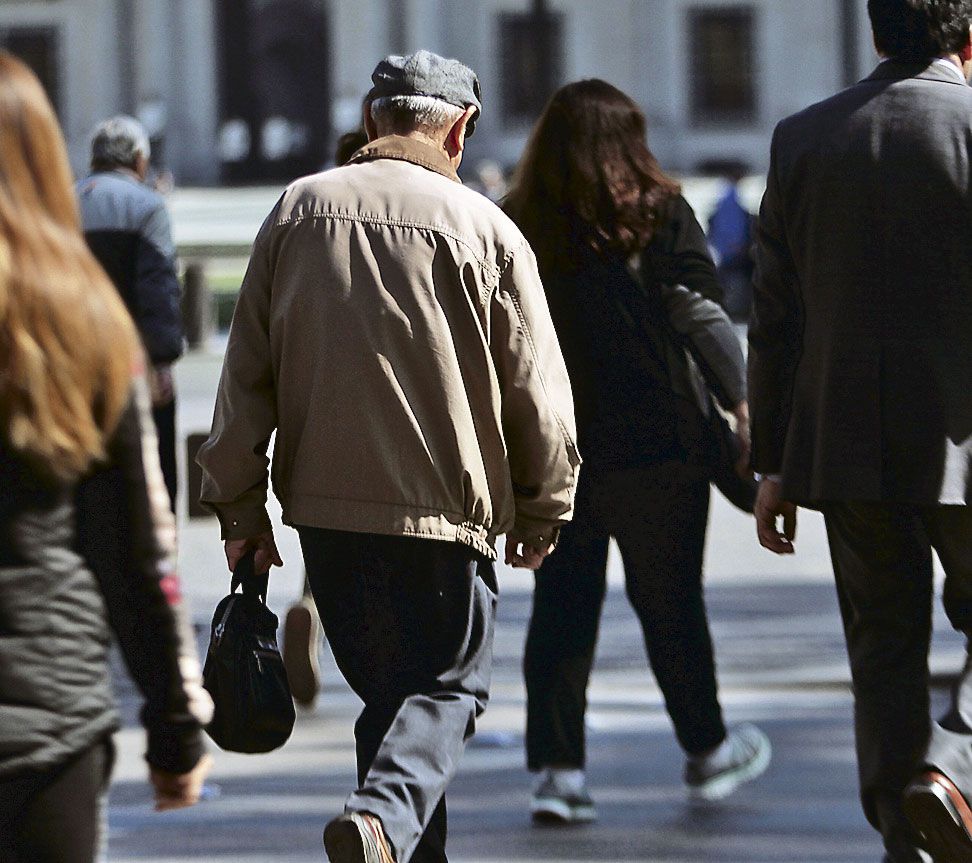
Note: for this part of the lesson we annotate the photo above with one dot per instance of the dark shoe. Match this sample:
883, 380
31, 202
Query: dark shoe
553, 804
357, 837
301, 642
939, 812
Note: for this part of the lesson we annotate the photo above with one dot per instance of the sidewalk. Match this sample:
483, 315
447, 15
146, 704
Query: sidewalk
781, 664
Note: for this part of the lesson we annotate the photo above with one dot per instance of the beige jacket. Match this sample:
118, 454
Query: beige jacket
393, 330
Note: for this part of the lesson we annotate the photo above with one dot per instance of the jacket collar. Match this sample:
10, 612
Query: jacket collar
897, 70
407, 150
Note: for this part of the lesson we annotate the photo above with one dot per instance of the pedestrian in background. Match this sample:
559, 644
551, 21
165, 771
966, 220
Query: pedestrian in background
127, 227
614, 237
393, 331
730, 233
861, 381
86, 539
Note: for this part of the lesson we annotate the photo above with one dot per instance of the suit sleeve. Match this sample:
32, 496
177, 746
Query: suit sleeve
234, 459
775, 331
126, 533
537, 407
158, 290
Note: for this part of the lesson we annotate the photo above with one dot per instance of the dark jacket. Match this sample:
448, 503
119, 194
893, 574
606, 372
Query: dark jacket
75, 561
627, 411
127, 228
861, 346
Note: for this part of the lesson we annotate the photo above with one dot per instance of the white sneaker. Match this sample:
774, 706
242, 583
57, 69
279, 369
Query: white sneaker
554, 803
743, 756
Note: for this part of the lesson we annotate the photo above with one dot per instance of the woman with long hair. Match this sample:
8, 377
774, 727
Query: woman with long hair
624, 264
86, 539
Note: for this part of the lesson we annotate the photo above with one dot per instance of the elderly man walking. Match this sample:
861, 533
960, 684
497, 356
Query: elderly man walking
861, 394
393, 330
127, 227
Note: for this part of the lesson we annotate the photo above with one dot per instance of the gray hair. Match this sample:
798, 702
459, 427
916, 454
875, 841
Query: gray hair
118, 142
413, 113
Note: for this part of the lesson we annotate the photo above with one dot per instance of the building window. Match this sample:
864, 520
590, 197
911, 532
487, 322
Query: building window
532, 63
722, 65
38, 48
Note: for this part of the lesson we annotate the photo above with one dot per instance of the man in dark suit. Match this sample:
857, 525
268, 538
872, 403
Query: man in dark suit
861, 394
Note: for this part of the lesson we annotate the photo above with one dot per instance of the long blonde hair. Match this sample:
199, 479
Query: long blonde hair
67, 344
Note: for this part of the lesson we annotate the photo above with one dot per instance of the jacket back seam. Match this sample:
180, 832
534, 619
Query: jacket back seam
482, 260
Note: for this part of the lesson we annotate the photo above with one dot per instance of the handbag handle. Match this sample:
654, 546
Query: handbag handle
254, 586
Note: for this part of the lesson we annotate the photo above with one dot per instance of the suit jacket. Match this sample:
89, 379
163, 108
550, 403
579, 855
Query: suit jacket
860, 357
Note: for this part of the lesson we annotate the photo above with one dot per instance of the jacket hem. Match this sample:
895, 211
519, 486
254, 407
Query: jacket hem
46, 758
389, 519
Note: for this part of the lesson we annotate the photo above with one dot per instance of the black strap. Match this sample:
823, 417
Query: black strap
254, 586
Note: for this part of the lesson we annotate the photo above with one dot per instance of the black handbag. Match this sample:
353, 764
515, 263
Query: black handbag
244, 672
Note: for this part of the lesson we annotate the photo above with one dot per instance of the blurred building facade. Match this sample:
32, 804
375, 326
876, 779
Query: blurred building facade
251, 91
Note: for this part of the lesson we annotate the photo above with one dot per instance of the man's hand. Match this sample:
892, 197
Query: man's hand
161, 385
770, 506
524, 556
266, 552
178, 790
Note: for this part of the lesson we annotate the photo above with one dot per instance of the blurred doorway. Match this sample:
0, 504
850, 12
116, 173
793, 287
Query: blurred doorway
275, 93
38, 47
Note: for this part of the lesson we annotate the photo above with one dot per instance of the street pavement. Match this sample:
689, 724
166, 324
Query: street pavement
781, 663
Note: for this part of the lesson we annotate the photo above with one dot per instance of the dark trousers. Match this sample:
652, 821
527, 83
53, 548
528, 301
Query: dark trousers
55, 817
882, 556
658, 516
410, 622
165, 427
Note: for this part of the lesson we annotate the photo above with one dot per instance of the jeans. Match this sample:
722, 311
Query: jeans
55, 816
658, 516
410, 623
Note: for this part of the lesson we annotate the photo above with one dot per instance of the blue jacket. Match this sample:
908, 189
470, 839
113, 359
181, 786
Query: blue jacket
127, 227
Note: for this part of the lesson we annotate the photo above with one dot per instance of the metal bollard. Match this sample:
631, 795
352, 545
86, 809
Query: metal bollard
197, 306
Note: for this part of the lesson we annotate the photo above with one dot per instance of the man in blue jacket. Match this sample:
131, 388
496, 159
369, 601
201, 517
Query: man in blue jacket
127, 227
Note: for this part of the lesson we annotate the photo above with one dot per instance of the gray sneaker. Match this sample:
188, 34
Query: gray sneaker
749, 756
552, 804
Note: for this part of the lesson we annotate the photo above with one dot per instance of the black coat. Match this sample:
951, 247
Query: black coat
627, 412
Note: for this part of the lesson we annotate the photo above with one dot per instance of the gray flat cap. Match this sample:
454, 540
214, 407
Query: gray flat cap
426, 74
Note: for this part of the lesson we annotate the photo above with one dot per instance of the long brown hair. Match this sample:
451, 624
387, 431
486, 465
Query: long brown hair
587, 179
67, 344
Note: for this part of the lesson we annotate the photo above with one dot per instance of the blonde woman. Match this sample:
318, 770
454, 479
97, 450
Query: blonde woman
86, 539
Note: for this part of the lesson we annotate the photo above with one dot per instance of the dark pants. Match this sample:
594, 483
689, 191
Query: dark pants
882, 555
410, 622
55, 817
658, 516
165, 427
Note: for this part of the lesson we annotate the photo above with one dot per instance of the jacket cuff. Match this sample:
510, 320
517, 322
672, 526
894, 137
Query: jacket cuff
537, 534
175, 751
241, 522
